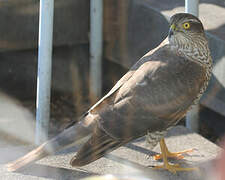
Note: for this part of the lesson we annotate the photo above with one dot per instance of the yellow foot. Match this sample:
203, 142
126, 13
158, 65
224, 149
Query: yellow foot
176, 155
174, 168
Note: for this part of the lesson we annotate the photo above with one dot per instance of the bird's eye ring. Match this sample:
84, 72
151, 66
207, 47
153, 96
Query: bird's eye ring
186, 25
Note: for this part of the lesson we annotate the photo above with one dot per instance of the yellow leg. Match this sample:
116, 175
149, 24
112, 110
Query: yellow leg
170, 167
177, 155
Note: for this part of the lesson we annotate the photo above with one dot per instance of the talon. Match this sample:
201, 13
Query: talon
157, 157
176, 155
174, 168
179, 157
176, 165
165, 154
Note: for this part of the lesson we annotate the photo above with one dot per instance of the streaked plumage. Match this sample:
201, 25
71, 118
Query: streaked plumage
151, 97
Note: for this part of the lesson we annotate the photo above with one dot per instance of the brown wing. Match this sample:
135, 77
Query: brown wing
125, 78
159, 91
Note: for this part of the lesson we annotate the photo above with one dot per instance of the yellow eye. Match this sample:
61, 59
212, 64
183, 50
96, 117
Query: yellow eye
186, 25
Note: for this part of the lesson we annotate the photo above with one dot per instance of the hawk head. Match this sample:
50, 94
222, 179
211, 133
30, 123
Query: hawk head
185, 29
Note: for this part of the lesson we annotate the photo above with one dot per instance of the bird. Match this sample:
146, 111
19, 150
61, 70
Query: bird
153, 96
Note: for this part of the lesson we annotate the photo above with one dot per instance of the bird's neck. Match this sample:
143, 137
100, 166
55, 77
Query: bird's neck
196, 50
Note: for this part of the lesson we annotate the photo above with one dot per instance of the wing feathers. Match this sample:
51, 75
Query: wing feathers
97, 146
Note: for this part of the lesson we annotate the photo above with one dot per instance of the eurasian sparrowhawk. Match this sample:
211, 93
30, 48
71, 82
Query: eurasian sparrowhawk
151, 97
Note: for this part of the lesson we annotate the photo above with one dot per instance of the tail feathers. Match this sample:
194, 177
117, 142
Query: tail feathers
32, 156
69, 137
96, 147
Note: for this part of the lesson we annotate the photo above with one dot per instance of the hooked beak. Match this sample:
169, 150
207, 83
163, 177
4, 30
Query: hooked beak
172, 29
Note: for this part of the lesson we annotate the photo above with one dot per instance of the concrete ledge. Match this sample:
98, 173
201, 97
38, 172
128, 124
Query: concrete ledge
131, 159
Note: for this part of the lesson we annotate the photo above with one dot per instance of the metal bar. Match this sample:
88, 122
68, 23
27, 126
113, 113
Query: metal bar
191, 6
192, 118
96, 18
123, 24
44, 69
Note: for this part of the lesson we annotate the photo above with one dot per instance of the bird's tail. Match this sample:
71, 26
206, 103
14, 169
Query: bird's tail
71, 136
